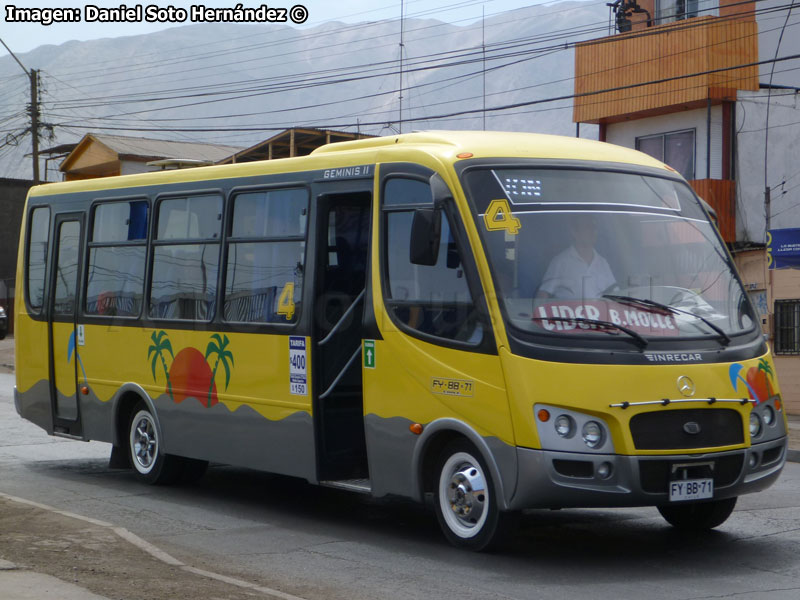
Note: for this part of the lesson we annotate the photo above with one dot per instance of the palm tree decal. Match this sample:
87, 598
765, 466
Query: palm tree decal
160, 345
218, 346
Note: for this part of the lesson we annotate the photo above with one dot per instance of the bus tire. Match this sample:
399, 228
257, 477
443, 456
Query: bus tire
698, 516
465, 499
149, 462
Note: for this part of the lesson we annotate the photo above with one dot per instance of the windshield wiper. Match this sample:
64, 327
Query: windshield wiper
646, 302
606, 326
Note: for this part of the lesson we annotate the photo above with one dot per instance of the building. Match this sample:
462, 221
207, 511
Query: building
696, 84
297, 141
101, 155
12, 203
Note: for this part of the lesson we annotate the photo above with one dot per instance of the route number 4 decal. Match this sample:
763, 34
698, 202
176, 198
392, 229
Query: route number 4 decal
498, 217
286, 301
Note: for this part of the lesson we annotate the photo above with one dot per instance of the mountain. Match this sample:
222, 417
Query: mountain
245, 82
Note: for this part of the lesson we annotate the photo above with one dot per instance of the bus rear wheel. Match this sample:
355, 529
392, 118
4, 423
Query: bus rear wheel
149, 462
698, 516
465, 500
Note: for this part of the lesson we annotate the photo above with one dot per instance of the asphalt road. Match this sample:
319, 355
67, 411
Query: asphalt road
314, 543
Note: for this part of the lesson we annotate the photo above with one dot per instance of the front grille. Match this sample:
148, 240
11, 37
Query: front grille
664, 430
655, 475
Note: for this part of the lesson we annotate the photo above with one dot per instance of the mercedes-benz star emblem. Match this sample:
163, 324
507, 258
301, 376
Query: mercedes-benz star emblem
686, 386
692, 427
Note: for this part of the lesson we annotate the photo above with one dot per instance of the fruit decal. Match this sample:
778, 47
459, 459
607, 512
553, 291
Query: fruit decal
758, 379
189, 375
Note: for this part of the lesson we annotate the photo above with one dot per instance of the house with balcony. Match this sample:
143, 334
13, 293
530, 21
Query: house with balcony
710, 88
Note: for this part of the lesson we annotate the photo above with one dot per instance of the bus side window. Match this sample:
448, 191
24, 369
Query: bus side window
117, 249
266, 256
38, 239
435, 299
186, 258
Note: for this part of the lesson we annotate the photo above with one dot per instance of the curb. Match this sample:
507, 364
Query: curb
793, 456
150, 549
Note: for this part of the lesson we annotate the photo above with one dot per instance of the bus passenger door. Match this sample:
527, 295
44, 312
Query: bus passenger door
65, 336
342, 250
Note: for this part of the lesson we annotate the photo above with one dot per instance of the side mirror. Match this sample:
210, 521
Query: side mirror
426, 231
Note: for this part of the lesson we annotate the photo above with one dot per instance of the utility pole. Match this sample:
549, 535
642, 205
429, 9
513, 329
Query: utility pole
34, 75
402, 47
33, 111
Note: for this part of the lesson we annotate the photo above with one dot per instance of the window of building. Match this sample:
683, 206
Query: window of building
675, 148
186, 258
117, 250
266, 256
435, 299
38, 238
787, 327
668, 11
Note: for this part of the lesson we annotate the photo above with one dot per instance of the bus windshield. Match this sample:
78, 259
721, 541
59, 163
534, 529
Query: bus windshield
584, 252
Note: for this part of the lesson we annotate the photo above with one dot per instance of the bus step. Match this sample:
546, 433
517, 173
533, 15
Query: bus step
361, 486
63, 433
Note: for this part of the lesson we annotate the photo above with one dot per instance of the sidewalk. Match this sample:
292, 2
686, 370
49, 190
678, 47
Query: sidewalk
19, 584
48, 554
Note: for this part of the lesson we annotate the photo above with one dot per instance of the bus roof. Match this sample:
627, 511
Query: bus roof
446, 146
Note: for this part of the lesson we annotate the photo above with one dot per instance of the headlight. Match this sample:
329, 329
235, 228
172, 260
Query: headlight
755, 424
768, 415
592, 434
2, 312
565, 426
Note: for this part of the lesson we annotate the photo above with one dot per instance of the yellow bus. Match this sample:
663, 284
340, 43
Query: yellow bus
494, 321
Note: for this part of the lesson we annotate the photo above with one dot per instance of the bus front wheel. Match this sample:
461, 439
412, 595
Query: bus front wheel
465, 500
698, 516
150, 463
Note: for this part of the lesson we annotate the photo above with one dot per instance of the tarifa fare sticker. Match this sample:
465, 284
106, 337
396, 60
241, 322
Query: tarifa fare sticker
498, 217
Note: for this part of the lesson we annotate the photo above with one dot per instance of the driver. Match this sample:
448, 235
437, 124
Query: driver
579, 271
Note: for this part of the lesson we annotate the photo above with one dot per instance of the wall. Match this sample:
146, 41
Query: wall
781, 284
12, 204
781, 161
688, 61
131, 167
626, 132
770, 25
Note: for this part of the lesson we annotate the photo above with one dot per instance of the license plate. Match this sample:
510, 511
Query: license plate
691, 489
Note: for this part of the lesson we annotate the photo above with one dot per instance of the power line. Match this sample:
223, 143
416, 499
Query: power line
495, 108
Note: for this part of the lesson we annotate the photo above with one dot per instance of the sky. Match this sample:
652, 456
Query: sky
23, 37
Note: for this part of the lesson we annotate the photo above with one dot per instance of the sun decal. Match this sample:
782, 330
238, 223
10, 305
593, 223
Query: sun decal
189, 374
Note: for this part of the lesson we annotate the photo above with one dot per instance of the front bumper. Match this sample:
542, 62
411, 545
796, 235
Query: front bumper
549, 479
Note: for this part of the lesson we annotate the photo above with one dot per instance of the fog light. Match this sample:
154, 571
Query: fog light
604, 470
565, 426
768, 416
752, 460
593, 434
755, 424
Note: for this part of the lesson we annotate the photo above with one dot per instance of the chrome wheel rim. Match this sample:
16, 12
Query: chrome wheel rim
144, 442
463, 495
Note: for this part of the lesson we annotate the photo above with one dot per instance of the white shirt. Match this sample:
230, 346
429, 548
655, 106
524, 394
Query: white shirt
569, 277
